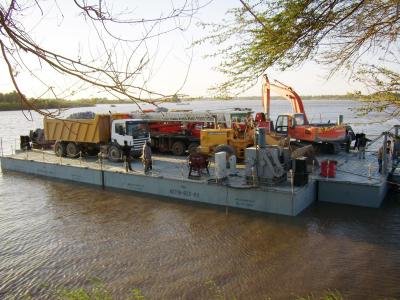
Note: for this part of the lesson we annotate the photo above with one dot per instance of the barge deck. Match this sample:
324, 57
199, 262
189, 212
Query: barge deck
356, 183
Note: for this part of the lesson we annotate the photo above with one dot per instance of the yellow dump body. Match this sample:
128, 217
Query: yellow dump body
95, 130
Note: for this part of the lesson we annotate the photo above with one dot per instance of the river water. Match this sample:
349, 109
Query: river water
56, 235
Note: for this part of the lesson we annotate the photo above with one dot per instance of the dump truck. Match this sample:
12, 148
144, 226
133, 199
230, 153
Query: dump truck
106, 133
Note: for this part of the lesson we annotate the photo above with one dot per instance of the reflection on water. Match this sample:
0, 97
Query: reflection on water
57, 234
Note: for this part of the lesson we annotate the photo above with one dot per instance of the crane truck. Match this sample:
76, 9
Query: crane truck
106, 133
179, 131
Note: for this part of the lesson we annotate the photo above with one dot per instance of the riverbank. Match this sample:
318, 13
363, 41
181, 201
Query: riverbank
11, 101
304, 98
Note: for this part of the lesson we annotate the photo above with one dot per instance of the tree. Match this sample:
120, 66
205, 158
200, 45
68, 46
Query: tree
342, 34
119, 64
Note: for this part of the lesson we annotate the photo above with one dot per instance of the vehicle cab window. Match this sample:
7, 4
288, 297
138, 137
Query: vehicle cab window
137, 129
119, 129
282, 124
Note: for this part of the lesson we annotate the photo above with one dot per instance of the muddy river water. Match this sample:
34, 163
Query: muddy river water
56, 235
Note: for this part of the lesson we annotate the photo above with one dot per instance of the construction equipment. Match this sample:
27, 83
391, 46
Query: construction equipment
287, 127
234, 140
107, 133
179, 131
198, 162
296, 126
263, 166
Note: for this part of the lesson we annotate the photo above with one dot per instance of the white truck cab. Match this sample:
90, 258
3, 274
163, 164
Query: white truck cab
134, 131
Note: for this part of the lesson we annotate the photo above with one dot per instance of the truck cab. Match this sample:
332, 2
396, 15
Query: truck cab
134, 131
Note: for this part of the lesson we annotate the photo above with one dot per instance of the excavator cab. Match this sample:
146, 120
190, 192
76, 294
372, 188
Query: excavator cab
282, 124
285, 124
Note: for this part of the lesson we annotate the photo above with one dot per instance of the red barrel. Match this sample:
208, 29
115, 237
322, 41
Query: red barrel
328, 168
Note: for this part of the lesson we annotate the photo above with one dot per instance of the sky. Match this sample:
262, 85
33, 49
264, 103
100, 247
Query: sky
173, 64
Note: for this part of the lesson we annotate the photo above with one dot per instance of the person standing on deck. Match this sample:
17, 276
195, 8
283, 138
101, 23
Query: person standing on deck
348, 141
357, 137
396, 150
147, 161
126, 152
380, 155
361, 145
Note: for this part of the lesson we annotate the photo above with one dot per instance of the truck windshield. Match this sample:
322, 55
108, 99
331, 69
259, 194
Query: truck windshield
239, 117
137, 129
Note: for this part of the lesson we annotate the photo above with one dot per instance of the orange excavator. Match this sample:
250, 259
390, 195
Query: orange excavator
296, 126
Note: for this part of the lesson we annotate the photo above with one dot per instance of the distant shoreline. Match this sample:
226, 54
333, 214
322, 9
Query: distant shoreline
304, 98
11, 101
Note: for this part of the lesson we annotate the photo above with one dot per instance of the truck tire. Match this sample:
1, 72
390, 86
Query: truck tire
72, 150
114, 153
178, 148
136, 154
193, 147
59, 149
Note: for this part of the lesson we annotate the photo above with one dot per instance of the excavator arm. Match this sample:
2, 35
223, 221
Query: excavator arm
286, 92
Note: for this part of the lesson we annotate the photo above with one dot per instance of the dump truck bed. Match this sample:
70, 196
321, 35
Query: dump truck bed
95, 130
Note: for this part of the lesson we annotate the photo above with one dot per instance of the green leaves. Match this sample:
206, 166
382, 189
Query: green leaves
384, 87
286, 33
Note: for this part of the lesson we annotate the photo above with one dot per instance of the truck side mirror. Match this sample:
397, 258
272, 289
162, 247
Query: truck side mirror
121, 131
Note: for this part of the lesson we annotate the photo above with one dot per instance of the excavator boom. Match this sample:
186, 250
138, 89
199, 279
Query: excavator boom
296, 125
286, 92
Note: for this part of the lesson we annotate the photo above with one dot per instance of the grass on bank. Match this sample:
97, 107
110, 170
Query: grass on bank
98, 291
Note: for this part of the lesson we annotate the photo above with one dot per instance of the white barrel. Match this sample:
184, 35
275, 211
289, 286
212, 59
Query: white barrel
220, 165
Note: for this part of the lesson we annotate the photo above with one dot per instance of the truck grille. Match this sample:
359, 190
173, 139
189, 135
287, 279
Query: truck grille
137, 144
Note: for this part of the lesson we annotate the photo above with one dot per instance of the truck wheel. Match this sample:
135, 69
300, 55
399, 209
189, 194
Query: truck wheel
72, 150
193, 147
59, 149
178, 148
114, 154
136, 154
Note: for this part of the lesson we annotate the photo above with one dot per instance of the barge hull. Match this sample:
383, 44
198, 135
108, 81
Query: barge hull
269, 200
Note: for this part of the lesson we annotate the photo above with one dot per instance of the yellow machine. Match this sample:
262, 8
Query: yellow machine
232, 141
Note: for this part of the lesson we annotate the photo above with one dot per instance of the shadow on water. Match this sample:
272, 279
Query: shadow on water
89, 204
380, 226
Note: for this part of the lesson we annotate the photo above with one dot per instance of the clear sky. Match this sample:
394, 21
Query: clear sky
62, 29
